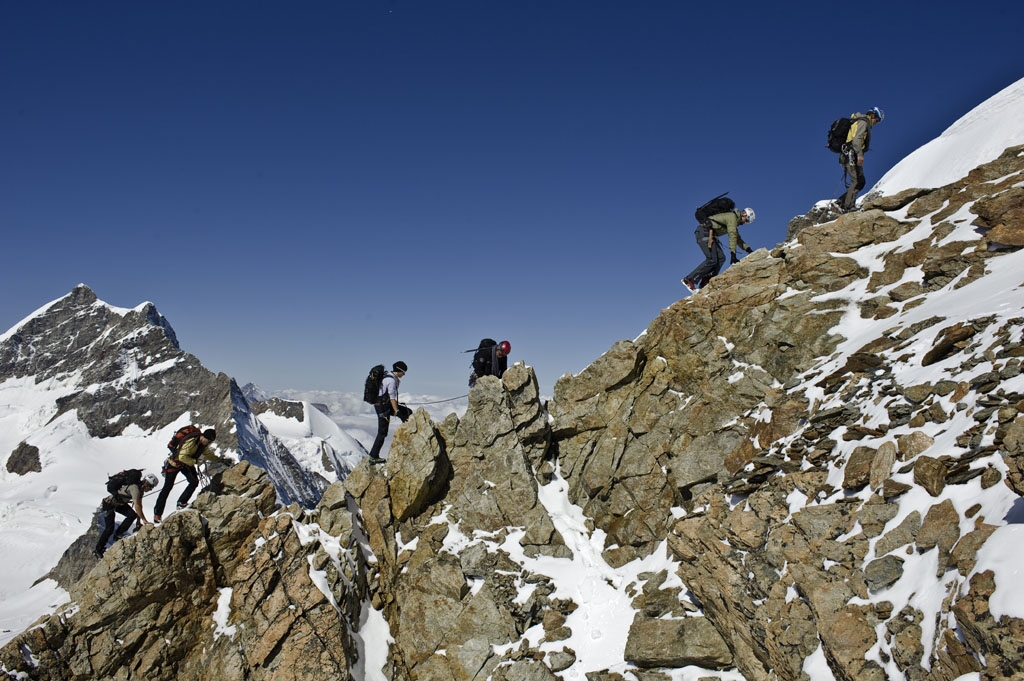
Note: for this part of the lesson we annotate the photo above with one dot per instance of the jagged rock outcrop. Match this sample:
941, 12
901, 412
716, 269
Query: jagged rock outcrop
253, 393
449, 588
122, 368
24, 459
231, 590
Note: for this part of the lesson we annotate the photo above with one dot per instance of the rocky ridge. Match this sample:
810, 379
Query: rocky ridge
797, 478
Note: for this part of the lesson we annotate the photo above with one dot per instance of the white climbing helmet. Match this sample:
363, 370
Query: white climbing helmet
749, 214
151, 480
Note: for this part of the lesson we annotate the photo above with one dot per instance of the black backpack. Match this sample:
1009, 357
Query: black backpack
371, 389
840, 130
482, 358
837, 134
129, 476
719, 204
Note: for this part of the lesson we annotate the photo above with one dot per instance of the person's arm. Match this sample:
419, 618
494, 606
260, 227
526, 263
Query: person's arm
860, 131
137, 504
732, 227
209, 455
743, 244
392, 388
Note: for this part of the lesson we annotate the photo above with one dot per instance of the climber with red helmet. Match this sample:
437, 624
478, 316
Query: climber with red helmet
491, 359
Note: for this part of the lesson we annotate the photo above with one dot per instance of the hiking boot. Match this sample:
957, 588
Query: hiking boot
376, 460
156, 520
690, 284
703, 282
98, 553
182, 507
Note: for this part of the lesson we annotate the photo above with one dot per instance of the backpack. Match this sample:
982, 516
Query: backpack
482, 358
719, 204
840, 130
129, 476
837, 134
181, 437
371, 389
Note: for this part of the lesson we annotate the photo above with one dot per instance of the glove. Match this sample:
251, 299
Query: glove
732, 258
748, 249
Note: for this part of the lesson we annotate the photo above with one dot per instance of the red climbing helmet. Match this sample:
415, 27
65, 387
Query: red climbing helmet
505, 346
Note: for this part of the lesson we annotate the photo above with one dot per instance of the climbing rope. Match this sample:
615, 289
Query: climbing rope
204, 480
450, 399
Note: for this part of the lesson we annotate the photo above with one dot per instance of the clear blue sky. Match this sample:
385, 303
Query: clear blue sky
306, 189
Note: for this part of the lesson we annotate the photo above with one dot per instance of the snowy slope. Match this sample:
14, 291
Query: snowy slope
978, 137
1000, 295
316, 437
41, 514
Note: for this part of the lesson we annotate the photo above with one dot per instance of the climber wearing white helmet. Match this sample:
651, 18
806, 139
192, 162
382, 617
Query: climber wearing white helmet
707, 234
852, 157
125, 487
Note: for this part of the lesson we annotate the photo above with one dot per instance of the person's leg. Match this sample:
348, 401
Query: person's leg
170, 474
717, 258
856, 176
704, 269
193, 481
108, 528
129, 517
860, 178
383, 423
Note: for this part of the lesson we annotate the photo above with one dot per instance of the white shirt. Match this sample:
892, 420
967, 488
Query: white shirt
389, 386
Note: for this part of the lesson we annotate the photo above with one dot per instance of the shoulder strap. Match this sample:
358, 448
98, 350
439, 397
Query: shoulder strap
121, 493
855, 119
